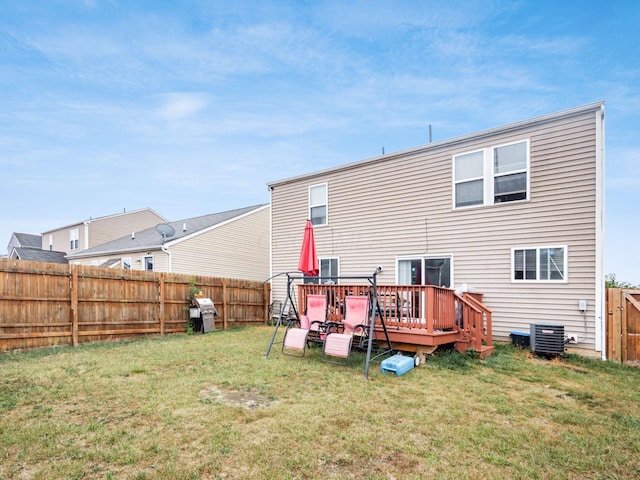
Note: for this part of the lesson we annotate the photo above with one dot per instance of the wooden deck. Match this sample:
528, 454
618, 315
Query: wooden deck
418, 318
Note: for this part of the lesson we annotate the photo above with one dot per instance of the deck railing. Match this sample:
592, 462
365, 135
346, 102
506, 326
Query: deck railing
428, 309
478, 321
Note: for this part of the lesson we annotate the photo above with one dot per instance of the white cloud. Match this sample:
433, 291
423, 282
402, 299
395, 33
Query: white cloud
179, 106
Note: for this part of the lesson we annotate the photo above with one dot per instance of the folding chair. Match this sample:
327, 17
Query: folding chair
316, 316
295, 339
355, 324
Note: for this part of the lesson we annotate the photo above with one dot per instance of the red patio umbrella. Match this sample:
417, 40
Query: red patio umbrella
308, 263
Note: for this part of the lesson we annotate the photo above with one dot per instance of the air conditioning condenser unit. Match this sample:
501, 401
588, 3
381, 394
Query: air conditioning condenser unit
548, 339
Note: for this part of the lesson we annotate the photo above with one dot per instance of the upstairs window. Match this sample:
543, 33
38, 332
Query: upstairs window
318, 204
495, 174
74, 239
540, 264
148, 264
469, 178
510, 172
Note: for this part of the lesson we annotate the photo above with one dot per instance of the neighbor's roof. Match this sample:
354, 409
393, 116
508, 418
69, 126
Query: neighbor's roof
91, 219
40, 255
28, 240
150, 238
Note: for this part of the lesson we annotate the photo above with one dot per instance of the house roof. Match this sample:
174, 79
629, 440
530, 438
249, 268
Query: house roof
150, 239
39, 255
90, 219
449, 142
27, 240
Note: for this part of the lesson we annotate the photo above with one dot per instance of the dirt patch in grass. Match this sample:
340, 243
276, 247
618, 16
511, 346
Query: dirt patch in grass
249, 400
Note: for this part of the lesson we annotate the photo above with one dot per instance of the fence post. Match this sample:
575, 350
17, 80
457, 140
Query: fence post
225, 317
162, 299
74, 305
267, 295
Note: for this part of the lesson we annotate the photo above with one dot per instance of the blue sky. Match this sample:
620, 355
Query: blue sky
191, 107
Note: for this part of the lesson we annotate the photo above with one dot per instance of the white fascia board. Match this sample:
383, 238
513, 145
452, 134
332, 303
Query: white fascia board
103, 253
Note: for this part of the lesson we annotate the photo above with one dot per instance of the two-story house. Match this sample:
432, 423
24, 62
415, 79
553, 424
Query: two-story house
233, 243
515, 212
95, 231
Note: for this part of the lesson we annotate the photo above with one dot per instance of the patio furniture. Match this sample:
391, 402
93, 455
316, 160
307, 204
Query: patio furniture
295, 339
339, 339
316, 316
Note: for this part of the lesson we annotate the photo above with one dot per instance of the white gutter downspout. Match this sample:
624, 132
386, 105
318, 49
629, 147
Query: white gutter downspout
600, 314
86, 235
164, 249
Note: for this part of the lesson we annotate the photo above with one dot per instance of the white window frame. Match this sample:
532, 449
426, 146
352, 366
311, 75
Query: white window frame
489, 175
329, 259
144, 263
124, 262
565, 264
324, 204
74, 239
422, 259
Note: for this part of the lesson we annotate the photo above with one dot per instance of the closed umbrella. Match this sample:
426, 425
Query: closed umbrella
308, 263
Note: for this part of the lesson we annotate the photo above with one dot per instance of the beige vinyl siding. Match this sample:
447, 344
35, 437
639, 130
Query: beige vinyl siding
103, 230
61, 239
401, 206
235, 249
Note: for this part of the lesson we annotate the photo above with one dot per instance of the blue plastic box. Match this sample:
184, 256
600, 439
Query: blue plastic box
398, 364
521, 339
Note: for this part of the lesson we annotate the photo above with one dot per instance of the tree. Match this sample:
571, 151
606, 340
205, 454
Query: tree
611, 282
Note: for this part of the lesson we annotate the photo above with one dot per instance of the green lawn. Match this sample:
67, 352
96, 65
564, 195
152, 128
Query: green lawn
211, 406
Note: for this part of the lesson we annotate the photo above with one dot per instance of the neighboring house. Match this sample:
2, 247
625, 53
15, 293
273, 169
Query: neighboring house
95, 231
25, 246
24, 240
37, 255
232, 244
515, 212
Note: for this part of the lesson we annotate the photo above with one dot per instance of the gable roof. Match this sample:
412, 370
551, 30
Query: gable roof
90, 219
27, 240
149, 238
447, 142
38, 255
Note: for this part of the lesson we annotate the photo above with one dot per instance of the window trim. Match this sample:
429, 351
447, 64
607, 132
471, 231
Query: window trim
144, 263
565, 264
337, 259
74, 239
325, 204
422, 259
489, 175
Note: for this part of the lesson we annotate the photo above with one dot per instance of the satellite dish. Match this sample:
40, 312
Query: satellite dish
165, 230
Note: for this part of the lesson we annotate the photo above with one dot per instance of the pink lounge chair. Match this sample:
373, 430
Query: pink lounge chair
355, 325
317, 317
295, 339
312, 327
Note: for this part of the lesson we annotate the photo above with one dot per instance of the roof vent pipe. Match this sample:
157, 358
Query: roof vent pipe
133, 235
184, 227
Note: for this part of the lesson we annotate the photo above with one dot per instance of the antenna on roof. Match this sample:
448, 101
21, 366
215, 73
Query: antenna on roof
165, 230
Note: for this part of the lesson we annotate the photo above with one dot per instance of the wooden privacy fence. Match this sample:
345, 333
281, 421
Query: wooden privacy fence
48, 304
623, 325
